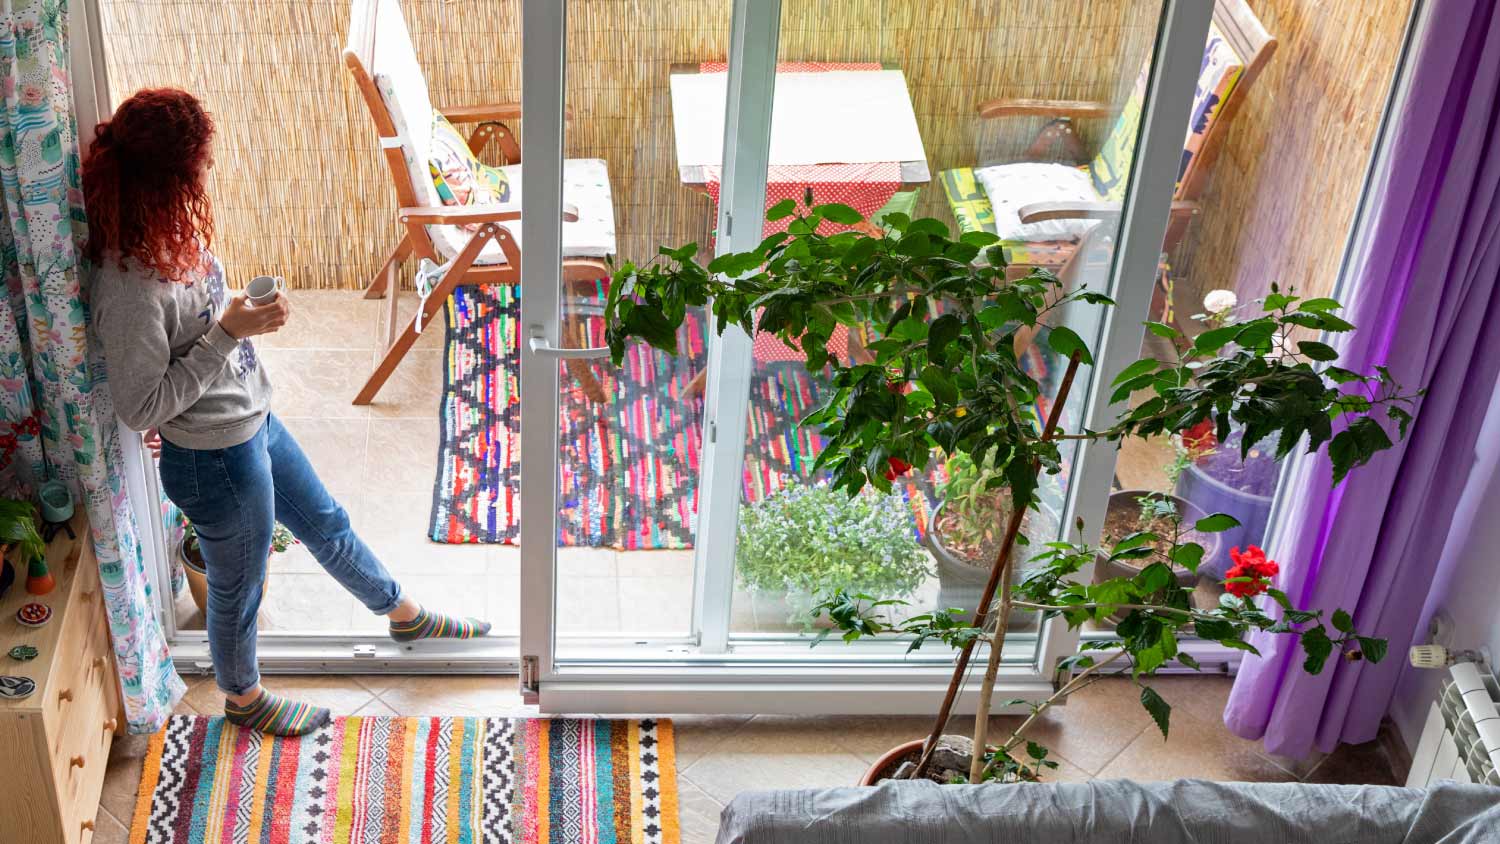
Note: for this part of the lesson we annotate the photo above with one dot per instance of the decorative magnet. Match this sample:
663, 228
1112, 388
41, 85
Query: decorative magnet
16, 688
34, 615
23, 653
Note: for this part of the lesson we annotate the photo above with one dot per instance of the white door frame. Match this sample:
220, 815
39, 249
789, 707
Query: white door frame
715, 677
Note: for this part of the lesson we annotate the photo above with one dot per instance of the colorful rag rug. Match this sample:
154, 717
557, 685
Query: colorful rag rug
383, 780
628, 468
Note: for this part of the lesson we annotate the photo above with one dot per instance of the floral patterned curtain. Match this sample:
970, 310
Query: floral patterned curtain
56, 419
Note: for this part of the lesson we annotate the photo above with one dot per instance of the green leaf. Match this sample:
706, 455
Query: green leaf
980, 239
839, 213
1213, 339
1154, 578
1135, 370
1216, 523
1160, 710
781, 210
937, 382
1317, 351
1342, 621
1317, 646
1161, 329
1214, 629
1319, 305
1187, 660
1189, 555
1373, 649
1065, 341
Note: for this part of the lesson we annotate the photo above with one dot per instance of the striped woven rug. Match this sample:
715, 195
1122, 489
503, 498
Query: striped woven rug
382, 780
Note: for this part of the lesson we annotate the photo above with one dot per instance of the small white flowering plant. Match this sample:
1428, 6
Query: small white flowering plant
809, 539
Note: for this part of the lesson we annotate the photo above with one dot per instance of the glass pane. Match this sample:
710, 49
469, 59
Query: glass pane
1246, 233
380, 462
880, 114
630, 437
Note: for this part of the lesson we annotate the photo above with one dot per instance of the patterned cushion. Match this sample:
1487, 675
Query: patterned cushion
1011, 187
457, 174
1217, 76
585, 186
972, 209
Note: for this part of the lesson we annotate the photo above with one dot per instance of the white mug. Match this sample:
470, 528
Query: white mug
264, 289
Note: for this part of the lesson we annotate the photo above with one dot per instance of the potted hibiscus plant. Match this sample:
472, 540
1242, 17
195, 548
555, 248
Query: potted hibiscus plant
946, 380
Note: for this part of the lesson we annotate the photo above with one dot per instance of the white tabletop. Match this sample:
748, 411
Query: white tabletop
829, 117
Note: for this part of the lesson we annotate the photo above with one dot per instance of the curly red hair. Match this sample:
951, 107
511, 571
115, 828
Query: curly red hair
143, 183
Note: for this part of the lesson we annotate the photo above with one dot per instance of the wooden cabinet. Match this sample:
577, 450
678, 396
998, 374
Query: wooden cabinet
54, 744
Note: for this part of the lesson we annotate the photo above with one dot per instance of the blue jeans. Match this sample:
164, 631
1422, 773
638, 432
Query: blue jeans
234, 497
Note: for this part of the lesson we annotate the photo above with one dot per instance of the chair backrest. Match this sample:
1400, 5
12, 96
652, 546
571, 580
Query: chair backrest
380, 56
1236, 50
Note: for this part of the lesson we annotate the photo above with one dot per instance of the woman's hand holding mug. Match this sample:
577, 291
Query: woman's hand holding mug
244, 317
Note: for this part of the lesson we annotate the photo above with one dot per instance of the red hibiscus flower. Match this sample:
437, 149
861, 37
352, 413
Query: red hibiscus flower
1252, 572
895, 467
1200, 437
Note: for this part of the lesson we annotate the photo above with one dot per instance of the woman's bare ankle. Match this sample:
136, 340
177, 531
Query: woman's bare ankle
247, 698
407, 610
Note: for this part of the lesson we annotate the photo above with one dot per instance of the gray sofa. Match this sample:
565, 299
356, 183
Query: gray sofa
1113, 811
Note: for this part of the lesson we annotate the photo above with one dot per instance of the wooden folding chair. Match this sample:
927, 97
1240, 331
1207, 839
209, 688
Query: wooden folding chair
472, 243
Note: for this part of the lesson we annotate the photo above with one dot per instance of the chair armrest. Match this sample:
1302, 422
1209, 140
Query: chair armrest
1036, 212
460, 215
1015, 106
490, 111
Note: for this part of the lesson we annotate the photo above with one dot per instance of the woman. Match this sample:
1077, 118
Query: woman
181, 362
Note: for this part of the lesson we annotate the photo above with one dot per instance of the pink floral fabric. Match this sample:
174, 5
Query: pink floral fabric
56, 419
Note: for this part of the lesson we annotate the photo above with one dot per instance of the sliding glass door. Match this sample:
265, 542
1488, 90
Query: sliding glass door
673, 534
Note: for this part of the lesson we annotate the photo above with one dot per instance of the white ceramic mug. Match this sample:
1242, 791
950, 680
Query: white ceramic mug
264, 289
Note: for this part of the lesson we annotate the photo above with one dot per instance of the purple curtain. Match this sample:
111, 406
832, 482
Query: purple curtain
1427, 303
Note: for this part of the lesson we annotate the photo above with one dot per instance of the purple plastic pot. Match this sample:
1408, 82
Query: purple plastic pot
1220, 482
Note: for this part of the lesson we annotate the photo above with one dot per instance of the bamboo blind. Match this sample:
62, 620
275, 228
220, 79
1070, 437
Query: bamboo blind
299, 187
1285, 189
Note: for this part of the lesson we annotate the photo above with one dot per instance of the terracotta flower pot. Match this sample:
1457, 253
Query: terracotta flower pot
890, 761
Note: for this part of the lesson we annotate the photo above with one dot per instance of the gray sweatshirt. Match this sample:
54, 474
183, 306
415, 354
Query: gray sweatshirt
169, 364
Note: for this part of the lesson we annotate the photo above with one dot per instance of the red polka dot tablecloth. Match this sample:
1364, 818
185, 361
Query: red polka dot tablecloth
866, 187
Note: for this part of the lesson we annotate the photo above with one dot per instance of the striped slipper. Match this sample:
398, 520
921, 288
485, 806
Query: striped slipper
277, 715
435, 625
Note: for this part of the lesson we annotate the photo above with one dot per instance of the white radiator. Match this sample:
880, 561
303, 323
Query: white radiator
1461, 739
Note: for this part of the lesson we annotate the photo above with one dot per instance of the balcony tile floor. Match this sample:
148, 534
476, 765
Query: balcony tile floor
1101, 733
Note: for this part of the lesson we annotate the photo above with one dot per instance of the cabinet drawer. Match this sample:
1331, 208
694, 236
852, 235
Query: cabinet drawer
84, 731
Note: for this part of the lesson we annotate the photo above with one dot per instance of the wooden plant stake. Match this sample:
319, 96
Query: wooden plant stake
1000, 576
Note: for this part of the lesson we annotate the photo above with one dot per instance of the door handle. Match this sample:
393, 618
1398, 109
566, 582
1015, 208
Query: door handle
540, 346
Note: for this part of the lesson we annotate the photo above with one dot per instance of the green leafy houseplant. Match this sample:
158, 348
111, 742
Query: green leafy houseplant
808, 539
18, 531
946, 379
196, 567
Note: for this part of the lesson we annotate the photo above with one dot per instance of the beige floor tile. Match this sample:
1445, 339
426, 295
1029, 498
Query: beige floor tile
587, 562
316, 603
110, 830
122, 774
316, 384
326, 319
406, 303
417, 556
1095, 725
399, 516
1203, 695
1196, 748
377, 708
343, 694
401, 456
656, 564
656, 605
450, 593
336, 449
503, 603
777, 752
415, 389
697, 812
696, 735
487, 695
588, 605
502, 559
